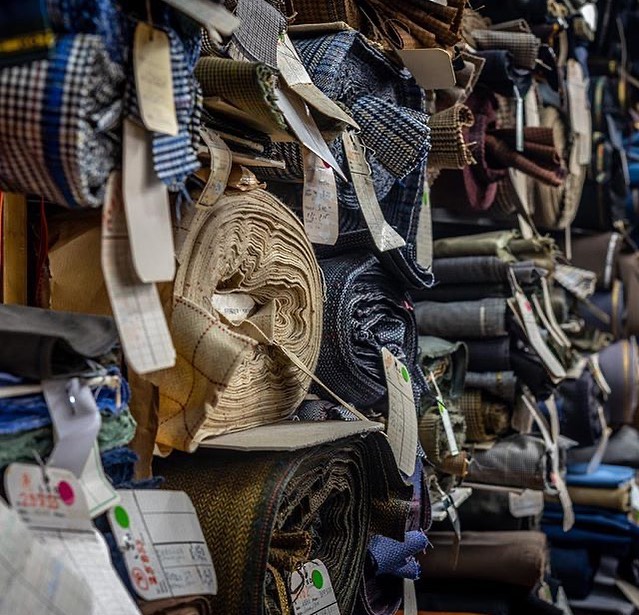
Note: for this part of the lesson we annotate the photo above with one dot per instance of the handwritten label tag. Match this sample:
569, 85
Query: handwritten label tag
235, 307
154, 79
319, 202
402, 414
137, 310
76, 422
410, 598
311, 590
383, 234
221, 164
34, 579
164, 549
528, 503
148, 214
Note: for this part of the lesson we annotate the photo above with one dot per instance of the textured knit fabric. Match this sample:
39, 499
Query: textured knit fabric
264, 513
485, 420
463, 319
234, 376
521, 461
365, 312
59, 127
450, 147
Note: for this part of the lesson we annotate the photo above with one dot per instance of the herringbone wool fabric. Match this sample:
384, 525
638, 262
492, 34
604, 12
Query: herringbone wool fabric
449, 144
230, 377
485, 419
264, 513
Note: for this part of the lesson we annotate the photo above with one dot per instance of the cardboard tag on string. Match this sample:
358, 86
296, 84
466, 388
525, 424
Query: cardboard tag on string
410, 598
445, 416
148, 213
97, 488
383, 234
311, 590
319, 201
144, 333
432, 68
402, 414
220, 167
154, 79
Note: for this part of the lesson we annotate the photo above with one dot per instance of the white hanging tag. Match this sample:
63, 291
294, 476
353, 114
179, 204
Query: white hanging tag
136, 306
34, 579
220, 169
154, 79
51, 501
311, 590
528, 503
163, 546
602, 445
214, 17
410, 598
383, 234
146, 201
402, 414
98, 489
519, 120
76, 422
443, 412
425, 230
319, 201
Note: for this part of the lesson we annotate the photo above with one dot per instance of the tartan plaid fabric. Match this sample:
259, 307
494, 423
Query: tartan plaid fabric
523, 46
249, 86
448, 143
59, 134
485, 420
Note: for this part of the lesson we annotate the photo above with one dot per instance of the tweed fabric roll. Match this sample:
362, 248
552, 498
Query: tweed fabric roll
485, 420
521, 461
524, 46
59, 127
450, 147
265, 513
434, 441
249, 86
462, 319
311, 11
234, 376
365, 312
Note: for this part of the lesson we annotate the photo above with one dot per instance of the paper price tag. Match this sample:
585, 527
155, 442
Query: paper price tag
319, 202
410, 598
402, 414
443, 412
311, 590
383, 234
164, 549
529, 503
137, 310
425, 230
432, 68
34, 579
49, 498
221, 164
76, 422
97, 488
154, 79
146, 202
235, 307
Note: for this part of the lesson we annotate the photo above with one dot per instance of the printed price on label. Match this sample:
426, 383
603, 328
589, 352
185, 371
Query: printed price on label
311, 590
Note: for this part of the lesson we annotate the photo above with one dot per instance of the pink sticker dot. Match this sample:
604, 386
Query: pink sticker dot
67, 495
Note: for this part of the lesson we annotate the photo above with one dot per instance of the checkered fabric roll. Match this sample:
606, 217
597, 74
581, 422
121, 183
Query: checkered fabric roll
521, 461
264, 513
363, 313
485, 420
523, 46
236, 374
450, 148
59, 126
249, 86
433, 439
326, 11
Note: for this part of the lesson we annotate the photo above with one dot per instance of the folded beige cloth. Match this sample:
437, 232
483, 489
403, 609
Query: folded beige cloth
614, 499
246, 313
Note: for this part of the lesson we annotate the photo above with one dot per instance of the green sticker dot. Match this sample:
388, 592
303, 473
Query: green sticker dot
121, 517
318, 579
405, 375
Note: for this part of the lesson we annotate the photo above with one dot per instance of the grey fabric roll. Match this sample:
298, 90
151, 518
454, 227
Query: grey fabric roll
622, 449
521, 461
463, 292
489, 355
463, 319
470, 270
500, 384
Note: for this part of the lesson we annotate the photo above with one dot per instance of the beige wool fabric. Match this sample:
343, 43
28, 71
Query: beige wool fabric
227, 376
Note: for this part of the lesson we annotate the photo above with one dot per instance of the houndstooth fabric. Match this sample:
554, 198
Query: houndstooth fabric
59, 123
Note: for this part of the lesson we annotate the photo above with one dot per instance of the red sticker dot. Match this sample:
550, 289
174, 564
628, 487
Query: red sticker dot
67, 495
